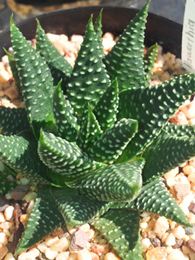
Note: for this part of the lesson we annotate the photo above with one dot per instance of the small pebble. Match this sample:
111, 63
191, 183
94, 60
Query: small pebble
50, 254
3, 251
161, 226
9, 256
2, 219
84, 255
192, 207
3, 238
191, 244
176, 254
51, 240
179, 232
157, 253
8, 213
170, 241
146, 243
188, 169
60, 245
111, 256
63, 256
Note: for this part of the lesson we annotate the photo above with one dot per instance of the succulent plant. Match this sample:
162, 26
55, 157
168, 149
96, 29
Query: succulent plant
94, 138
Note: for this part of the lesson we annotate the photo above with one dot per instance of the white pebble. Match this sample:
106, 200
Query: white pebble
179, 232
110, 256
146, 243
176, 254
51, 240
50, 254
161, 226
63, 256
84, 255
34, 252
188, 169
3, 238
2, 219
9, 256
61, 245
8, 213
85, 227
170, 241
42, 247
143, 225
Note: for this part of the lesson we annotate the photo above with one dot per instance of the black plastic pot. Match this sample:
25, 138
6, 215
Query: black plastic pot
72, 21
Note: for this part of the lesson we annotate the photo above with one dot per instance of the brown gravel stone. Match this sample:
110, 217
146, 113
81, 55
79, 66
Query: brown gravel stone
156, 242
19, 192
191, 244
179, 243
3, 251
192, 207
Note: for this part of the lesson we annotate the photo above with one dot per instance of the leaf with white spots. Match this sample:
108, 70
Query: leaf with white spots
64, 115
35, 80
89, 129
126, 60
174, 146
64, 157
119, 182
152, 107
120, 227
112, 143
77, 209
98, 24
43, 219
12, 64
89, 78
20, 155
60, 68
13, 121
107, 107
155, 198
150, 59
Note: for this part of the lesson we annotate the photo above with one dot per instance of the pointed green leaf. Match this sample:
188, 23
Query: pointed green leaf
64, 115
77, 209
13, 121
62, 156
20, 155
150, 59
119, 182
126, 60
98, 24
113, 142
121, 229
43, 219
107, 107
89, 79
60, 68
155, 198
174, 146
152, 107
35, 80
89, 128
12, 64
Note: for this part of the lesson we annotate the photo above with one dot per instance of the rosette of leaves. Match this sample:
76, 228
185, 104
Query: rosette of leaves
95, 138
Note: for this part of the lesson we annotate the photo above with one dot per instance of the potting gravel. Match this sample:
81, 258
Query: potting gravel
161, 238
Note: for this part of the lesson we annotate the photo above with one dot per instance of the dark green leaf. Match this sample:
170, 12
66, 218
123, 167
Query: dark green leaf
121, 229
150, 59
64, 115
20, 155
77, 209
174, 146
126, 60
62, 156
60, 68
107, 107
152, 107
7, 179
43, 219
89, 128
13, 121
35, 80
119, 182
89, 79
155, 198
113, 142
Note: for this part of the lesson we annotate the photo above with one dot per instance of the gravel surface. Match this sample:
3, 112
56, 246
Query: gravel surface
161, 238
